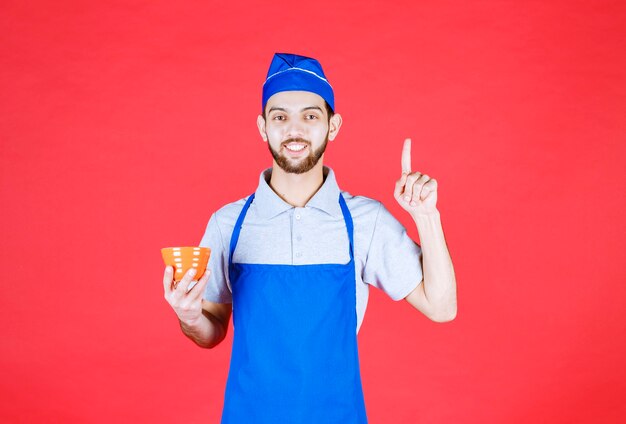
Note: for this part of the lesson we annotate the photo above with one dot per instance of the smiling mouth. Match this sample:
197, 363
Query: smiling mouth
295, 147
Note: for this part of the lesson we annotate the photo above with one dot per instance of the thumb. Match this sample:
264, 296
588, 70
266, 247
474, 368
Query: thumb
399, 189
198, 289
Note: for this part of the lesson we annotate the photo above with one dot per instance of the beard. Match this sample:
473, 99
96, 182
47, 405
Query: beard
300, 165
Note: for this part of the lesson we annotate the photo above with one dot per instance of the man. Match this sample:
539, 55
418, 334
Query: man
293, 262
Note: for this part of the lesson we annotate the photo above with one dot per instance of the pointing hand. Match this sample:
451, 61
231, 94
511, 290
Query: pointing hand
415, 192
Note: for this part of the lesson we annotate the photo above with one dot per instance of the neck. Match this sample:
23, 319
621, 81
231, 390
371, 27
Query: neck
297, 189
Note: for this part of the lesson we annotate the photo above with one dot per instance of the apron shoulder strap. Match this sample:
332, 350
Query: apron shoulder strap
235, 237
349, 225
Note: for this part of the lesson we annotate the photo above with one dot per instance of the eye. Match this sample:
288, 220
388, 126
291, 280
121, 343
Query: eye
278, 118
311, 116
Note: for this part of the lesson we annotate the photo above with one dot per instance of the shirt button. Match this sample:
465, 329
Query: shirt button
298, 254
297, 216
299, 238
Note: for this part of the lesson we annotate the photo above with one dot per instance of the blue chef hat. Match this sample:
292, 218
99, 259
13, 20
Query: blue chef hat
293, 72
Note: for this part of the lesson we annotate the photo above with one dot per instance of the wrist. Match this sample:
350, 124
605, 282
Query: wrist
433, 216
191, 323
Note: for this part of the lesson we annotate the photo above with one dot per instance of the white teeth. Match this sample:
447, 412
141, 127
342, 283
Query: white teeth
295, 148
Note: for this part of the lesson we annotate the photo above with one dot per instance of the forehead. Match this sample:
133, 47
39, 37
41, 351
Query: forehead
295, 100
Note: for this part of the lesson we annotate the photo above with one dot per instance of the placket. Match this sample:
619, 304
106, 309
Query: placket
298, 222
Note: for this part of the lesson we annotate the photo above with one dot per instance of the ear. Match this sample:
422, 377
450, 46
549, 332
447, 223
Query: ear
260, 122
334, 124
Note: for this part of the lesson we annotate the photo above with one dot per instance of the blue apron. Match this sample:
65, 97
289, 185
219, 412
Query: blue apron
294, 357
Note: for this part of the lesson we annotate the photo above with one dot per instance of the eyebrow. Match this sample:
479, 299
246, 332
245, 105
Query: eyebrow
302, 110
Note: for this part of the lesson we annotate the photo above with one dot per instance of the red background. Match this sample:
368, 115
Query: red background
125, 125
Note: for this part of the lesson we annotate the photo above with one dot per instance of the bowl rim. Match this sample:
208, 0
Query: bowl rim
185, 247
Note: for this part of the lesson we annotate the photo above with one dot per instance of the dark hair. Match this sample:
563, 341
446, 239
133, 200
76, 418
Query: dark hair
329, 111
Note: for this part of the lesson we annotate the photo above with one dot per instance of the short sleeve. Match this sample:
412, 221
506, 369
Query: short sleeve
217, 289
394, 260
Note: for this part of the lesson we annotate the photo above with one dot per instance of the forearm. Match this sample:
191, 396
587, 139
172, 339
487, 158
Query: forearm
207, 331
439, 278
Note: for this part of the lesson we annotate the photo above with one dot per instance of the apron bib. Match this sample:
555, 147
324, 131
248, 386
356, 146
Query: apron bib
294, 357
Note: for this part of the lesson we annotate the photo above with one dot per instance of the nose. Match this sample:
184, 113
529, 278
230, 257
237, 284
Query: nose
294, 129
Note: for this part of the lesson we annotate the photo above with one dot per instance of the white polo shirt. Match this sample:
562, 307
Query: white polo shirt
275, 232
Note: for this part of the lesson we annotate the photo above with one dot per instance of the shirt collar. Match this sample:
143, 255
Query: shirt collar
269, 204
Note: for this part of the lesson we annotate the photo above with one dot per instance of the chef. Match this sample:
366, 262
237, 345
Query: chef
293, 263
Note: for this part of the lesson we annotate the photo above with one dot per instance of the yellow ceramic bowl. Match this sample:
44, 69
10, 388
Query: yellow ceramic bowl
184, 258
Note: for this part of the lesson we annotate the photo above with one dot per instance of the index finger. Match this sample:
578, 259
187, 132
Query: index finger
168, 276
406, 156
